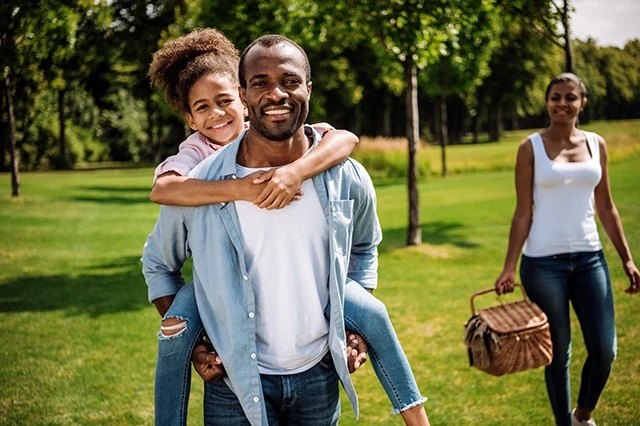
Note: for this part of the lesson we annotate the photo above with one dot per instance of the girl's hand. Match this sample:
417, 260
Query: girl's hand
505, 282
282, 186
634, 277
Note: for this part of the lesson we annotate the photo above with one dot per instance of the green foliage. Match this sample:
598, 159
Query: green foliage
124, 126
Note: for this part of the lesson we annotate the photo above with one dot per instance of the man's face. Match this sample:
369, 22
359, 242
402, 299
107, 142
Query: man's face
277, 93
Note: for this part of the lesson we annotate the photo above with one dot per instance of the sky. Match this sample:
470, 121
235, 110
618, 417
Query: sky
609, 22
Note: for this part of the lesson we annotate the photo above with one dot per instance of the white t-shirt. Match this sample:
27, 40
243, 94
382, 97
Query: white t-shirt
287, 258
563, 198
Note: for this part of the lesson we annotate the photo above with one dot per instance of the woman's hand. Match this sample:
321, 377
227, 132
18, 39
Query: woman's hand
634, 277
505, 282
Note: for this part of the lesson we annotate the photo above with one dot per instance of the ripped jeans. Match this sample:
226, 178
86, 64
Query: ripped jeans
364, 314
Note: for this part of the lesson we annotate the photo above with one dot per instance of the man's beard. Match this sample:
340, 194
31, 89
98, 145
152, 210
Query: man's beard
281, 132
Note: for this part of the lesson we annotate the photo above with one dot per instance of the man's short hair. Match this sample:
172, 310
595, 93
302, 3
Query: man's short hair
267, 41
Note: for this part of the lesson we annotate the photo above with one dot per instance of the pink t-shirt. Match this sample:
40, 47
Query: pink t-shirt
197, 147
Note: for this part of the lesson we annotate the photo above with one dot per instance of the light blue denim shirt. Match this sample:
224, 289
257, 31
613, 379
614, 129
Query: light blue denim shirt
224, 294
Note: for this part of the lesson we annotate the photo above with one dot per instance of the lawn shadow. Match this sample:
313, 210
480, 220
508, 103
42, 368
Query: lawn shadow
105, 289
112, 194
434, 233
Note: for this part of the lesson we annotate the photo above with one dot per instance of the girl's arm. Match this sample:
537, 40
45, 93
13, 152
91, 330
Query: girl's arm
521, 222
172, 188
283, 183
272, 189
610, 220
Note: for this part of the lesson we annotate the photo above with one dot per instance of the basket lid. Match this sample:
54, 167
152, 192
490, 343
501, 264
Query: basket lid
513, 317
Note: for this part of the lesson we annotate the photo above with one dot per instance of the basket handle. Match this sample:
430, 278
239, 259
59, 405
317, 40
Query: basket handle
490, 290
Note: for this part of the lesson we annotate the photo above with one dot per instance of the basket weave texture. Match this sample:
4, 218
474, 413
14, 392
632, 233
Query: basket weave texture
508, 338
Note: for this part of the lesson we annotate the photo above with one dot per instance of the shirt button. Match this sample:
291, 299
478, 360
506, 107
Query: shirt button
244, 277
234, 177
251, 315
253, 356
256, 399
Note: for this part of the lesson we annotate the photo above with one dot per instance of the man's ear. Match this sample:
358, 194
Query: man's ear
190, 121
243, 96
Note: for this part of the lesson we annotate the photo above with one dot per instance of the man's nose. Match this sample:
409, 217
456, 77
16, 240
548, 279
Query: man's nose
276, 94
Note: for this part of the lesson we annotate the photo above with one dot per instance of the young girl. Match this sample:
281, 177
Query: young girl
562, 171
198, 74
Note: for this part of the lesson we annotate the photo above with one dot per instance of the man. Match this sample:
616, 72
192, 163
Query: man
270, 283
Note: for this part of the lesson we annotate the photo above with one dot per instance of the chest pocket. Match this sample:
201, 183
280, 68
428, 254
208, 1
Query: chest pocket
340, 225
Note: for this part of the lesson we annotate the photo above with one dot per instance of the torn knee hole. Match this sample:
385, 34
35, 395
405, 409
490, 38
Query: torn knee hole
172, 326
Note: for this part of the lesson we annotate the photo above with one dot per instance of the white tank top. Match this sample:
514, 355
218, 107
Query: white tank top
287, 257
563, 202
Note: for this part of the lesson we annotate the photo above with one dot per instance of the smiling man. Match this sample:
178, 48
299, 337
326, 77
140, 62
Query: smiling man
270, 283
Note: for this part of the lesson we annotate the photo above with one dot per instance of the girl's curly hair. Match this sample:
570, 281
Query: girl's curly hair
181, 62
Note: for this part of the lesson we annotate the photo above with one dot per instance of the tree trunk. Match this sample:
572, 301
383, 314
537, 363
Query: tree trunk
495, 121
568, 48
15, 174
63, 162
444, 132
386, 121
414, 234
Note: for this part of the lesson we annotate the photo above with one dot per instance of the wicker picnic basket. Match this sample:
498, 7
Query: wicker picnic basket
508, 338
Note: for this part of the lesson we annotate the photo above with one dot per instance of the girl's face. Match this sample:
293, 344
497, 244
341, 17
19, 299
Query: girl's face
215, 109
565, 101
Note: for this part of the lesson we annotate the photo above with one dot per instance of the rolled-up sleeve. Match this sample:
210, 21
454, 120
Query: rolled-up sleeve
164, 253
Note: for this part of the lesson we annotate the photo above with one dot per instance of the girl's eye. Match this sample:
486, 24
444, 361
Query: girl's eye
225, 102
201, 108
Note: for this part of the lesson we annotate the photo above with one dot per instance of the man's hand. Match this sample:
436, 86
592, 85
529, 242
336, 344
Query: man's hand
207, 363
356, 351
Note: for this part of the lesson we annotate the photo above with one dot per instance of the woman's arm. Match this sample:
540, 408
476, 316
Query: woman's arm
521, 222
610, 220
284, 182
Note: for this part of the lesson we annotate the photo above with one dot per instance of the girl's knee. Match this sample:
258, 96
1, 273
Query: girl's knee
172, 327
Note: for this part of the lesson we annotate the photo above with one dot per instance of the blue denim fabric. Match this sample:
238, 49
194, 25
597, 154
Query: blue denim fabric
173, 366
581, 279
310, 398
367, 316
223, 289
364, 314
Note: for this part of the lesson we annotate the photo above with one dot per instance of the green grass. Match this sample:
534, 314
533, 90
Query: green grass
77, 336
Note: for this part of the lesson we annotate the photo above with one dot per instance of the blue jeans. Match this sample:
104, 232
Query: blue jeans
364, 314
581, 279
173, 366
309, 398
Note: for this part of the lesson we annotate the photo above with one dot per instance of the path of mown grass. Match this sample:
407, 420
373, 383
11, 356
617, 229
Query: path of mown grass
77, 336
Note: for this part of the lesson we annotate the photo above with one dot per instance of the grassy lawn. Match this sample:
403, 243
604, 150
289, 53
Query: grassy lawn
78, 337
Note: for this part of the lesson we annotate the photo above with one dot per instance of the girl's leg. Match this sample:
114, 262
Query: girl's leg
181, 329
592, 300
367, 316
545, 280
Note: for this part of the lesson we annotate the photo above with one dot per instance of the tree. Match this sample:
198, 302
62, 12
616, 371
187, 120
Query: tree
462, 62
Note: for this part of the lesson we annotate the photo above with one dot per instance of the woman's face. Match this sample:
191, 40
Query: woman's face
215, 108
565, 101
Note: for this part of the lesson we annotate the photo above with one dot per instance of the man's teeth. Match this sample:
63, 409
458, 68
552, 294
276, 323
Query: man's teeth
277, 111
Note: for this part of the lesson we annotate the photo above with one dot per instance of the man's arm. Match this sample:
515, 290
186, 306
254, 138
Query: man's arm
367, 233
164, 254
